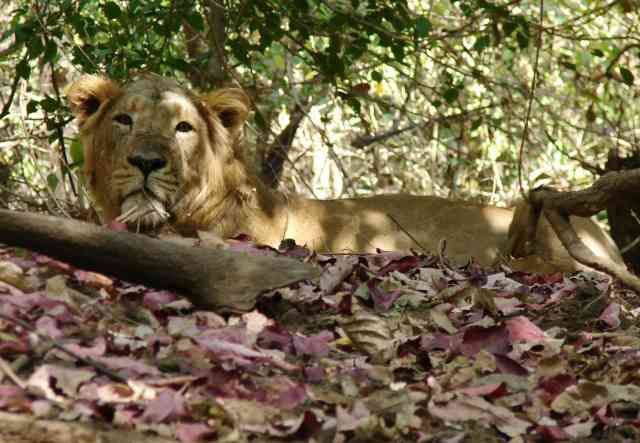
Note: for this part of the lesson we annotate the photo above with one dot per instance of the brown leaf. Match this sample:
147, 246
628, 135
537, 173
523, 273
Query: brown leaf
59, 383
335, 274
369, 332
13, 275
441, 319
478, 409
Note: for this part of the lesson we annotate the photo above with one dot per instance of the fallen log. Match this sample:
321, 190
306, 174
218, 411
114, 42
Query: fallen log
210, 278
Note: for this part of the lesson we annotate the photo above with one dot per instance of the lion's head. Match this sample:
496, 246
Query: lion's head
155, 151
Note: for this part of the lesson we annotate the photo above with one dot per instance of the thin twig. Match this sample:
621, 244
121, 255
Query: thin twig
84, 360
365, 141
407, 233
9, 372
634, 242
59, 134
7, 105
530, 104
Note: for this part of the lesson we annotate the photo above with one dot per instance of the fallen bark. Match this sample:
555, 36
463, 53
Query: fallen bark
209, 278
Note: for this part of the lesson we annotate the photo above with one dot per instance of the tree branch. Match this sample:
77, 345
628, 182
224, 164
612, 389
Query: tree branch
278, 151
364, 141
7, 105
558, 206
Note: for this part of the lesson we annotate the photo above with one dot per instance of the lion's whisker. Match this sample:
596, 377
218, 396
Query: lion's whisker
124, 217
165, 180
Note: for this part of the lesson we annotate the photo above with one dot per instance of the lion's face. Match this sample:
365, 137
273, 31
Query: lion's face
152, 148
153, 135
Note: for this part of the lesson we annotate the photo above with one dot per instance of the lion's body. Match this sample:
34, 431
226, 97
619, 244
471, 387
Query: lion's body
403, 222
158, 154
400, 222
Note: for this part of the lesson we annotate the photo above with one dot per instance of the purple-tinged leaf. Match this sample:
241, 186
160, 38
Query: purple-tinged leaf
521, 329
155, 300
168, 405
316, 345
403, 265
382, 300
48, 327
507, 365
611, 315
97, 349
314, 374
194, 432
494, 339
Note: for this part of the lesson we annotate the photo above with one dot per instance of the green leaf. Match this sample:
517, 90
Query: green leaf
523, 39
354, 104
52, 124
376, 76
32, 106
50, 51
466, 9
398, 52
34, 47
476, 124
24, 31
423, 27
627, 76
112, 10
482, 43
259, 120
196, 20
362, 292
451, 94
178, 64
76, 151
333, 65
49, 104
23, 69
509, 26
77, 23
53, 181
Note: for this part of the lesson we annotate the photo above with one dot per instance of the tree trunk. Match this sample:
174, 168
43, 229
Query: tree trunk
273, 162
624, 212
558, 206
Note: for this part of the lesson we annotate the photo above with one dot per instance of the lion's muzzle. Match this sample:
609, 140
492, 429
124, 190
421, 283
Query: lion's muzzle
148, 158
151, 188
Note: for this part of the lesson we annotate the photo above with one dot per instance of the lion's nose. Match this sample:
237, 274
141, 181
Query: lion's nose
147, 162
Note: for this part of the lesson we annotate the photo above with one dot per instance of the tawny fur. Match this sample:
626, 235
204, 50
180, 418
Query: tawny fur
207, 184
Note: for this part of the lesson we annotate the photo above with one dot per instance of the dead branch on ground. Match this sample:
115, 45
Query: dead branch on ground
209, 278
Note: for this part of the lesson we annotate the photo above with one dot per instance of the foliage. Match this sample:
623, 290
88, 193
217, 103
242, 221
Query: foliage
395, 95
420, 96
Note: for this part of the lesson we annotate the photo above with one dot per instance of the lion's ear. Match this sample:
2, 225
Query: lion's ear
231, 105
88, 93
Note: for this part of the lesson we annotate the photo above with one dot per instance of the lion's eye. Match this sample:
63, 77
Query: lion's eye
123, 119
184, 127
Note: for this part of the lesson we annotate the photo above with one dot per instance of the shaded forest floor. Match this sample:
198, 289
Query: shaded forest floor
384, 347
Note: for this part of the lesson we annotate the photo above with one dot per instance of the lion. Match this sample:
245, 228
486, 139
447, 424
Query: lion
156, 153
